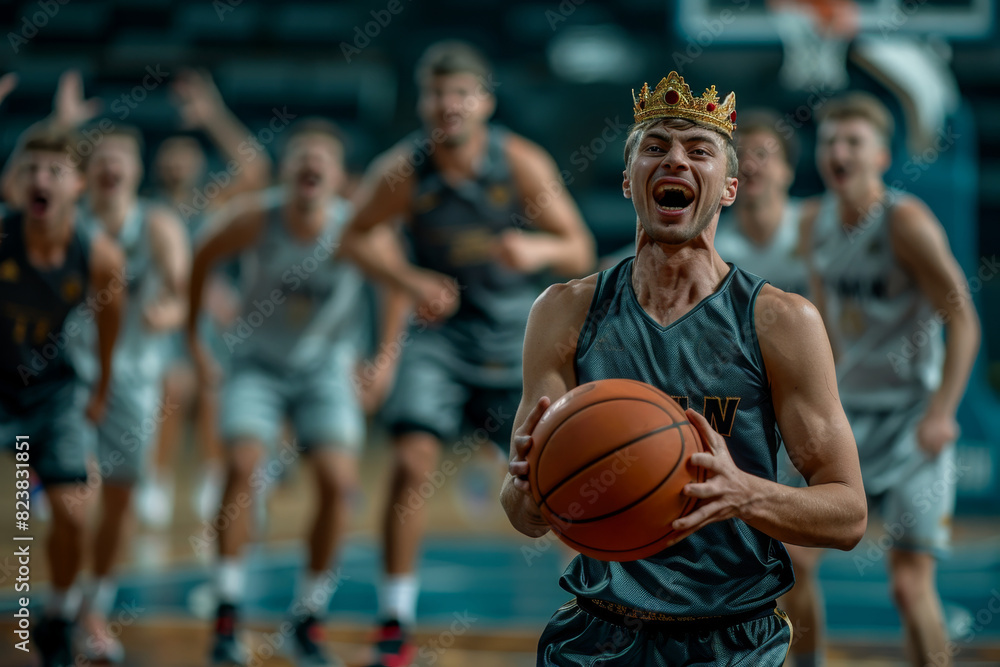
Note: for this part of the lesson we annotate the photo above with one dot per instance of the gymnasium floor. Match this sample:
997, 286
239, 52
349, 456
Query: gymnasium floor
487, 591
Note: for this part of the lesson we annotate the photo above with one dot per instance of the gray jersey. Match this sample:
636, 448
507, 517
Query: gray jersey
140, 356
297, 300
779, 262
889, 342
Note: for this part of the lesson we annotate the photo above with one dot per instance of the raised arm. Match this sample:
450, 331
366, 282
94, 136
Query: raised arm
201, 107
831, 511
922, 248
172, 257
107, 267
549, 347
561, 240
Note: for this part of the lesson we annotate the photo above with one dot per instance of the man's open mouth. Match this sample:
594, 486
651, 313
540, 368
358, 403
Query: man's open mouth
673, 196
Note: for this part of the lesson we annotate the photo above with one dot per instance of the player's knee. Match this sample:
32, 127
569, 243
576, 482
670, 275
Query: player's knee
335, 485
241, 465
415, 462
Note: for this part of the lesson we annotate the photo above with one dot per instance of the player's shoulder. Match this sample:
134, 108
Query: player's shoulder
523, 153
780, 314
909, 211
566, 299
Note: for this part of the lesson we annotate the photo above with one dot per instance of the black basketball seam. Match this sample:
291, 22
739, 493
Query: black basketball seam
576, 472
566, 538
538, 461
637, 500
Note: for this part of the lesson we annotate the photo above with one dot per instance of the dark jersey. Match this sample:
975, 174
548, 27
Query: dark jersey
34, 304
453, 230
708, 360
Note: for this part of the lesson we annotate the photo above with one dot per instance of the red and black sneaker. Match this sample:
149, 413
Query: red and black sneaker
226, 651
309, 651
393, 645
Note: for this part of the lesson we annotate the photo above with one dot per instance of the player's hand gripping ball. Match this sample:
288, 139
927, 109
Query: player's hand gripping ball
608, 464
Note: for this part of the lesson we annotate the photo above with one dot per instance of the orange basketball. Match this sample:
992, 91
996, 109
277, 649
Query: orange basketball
608, 463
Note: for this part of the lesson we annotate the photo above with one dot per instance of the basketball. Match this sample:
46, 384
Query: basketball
608, 463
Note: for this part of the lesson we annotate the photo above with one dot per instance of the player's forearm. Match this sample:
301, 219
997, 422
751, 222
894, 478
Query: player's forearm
199, 274
830, 515
387, 268
520, 511
961, 347
108, 325
229, 134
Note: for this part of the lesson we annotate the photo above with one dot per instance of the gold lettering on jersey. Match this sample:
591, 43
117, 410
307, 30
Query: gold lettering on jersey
10, 272
721, 416
72, 288
681, 401
474, 246
425, 202
41, 330
852, 318
499, 195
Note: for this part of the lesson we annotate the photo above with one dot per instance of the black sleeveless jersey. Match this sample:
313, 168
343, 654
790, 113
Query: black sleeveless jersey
709, 360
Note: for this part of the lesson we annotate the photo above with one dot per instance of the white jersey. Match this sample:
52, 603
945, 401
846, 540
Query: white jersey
889, 341
140, 356
298, 301
779, 262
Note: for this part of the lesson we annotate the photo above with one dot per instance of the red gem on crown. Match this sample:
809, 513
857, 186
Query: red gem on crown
671, 97
710, 106
732, 117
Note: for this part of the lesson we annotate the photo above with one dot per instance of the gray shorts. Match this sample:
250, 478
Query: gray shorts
125, 436
321, 403
60, 435
432, 394
910, 495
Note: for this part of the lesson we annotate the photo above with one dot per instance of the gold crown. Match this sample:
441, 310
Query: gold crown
672, 98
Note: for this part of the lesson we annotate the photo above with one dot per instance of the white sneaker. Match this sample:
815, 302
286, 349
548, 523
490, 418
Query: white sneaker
155, 502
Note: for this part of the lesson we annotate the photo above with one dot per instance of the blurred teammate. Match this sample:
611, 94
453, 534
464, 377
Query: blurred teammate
886, 281
157, 264
709, 599
760, 233
293, 352
48, 261
460, 188
183, 182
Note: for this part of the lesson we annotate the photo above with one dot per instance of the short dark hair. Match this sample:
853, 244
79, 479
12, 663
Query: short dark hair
765, 121
315, 125
451, 57
859, 104
53, 138
636, 131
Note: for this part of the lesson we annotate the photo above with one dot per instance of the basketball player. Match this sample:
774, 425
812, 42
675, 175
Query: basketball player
292, 357
760, 233
887, 283
708, 599
47, 261
180, 174
157, 264
460, 186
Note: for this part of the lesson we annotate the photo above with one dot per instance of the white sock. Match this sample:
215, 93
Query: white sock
64, 603
103, 593
230, 580
397, 598
313, 593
